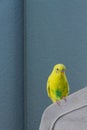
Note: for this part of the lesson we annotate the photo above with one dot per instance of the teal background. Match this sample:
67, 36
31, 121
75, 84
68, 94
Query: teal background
56, 32
11, 65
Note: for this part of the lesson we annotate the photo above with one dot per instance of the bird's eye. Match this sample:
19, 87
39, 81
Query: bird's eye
57, 69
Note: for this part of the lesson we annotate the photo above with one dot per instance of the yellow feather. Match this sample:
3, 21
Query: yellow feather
57, 84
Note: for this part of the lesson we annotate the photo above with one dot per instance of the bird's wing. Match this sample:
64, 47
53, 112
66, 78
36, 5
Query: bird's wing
48, 88
67, 84
66, 90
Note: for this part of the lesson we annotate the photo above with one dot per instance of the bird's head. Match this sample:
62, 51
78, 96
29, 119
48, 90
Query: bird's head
59, 69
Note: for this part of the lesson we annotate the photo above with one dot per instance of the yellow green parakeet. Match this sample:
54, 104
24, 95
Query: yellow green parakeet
57, 84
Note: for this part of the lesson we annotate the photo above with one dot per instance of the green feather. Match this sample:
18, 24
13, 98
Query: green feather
58, 93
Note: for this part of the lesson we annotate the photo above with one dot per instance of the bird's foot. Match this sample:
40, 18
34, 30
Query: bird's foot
64, 98
58, 103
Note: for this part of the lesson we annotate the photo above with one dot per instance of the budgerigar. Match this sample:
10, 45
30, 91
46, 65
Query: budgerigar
57, 84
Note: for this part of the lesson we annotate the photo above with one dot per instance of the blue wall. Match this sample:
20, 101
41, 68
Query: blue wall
56, 32
11, 65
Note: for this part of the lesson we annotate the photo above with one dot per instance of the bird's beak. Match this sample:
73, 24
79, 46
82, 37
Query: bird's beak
62, 72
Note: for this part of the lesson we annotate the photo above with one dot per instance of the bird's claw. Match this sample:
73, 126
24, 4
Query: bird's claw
58, 102
64, 98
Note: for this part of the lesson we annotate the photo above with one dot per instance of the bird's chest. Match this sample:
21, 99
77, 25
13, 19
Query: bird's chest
58, 83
